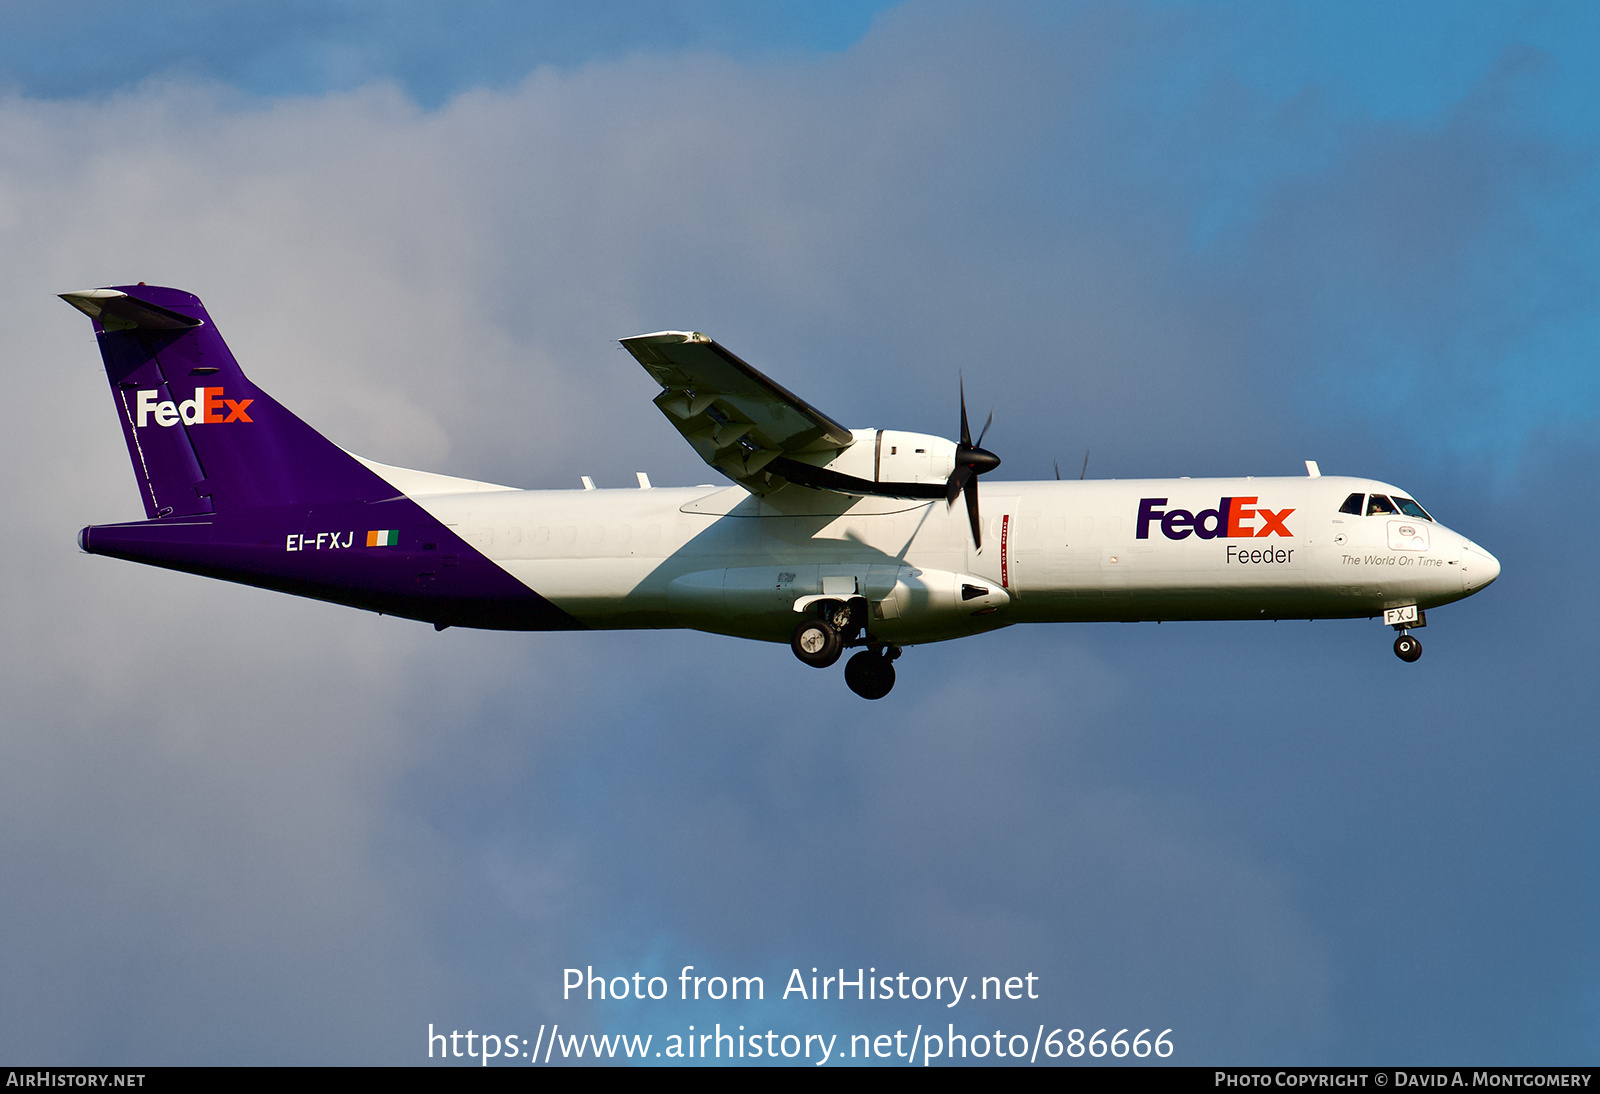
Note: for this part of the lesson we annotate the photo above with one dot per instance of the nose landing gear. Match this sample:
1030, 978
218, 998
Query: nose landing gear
1407, 647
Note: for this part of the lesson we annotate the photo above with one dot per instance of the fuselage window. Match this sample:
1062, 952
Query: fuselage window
1412, 509
1378, 506
1352, 505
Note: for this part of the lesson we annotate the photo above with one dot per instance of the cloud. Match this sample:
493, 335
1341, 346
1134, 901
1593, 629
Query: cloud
292, 47
243, 827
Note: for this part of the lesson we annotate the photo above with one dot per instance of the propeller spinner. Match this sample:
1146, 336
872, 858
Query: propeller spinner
972, 460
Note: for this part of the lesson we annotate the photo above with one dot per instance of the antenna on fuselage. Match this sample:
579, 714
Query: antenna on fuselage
1085, 470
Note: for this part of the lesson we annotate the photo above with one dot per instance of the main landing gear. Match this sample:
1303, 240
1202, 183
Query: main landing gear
820, 639
870, 673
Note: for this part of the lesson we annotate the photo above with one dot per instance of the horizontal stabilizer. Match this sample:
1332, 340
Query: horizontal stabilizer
118, 311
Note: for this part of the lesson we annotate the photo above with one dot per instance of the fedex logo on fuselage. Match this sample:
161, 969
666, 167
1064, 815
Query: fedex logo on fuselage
206, 407
1233, 518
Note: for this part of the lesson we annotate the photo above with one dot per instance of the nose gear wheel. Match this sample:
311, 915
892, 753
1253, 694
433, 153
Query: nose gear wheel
1408, 647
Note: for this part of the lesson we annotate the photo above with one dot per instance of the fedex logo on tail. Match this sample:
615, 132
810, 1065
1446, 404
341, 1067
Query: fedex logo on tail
206, 407
1233, 518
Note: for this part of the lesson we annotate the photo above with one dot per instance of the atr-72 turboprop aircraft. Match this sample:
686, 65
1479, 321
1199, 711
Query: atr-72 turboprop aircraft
831, 538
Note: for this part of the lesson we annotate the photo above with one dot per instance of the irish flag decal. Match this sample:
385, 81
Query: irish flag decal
388, 538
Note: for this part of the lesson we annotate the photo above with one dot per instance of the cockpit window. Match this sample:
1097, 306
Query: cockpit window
1352, 505
1378, 506
1412, 509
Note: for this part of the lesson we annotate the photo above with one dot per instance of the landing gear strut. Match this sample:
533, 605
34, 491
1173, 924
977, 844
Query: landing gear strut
1407, 647
870, 673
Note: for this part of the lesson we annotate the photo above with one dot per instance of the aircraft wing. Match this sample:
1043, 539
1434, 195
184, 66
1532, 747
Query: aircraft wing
737, 419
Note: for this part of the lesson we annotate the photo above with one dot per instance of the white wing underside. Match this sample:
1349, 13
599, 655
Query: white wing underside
740, 422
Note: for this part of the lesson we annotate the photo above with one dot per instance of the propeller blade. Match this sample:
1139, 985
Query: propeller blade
982, 432
966, 434
957, 481
972, 512
972, 460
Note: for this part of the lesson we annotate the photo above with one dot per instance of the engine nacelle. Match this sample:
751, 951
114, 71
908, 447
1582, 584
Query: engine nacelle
914, 457
893, 455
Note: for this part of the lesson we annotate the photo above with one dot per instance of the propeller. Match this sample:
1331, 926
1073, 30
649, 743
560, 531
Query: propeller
972, 460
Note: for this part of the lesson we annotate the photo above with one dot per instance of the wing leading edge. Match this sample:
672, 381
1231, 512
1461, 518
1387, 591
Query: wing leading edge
741, 422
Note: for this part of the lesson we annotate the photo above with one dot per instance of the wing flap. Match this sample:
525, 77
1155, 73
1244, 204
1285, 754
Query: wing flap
736, 418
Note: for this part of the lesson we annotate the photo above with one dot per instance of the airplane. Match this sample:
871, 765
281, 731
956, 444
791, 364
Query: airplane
829, 538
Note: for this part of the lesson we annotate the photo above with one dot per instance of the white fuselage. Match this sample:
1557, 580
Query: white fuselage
721, 559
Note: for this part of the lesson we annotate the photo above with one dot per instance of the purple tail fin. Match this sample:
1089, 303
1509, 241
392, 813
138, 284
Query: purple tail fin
202, 437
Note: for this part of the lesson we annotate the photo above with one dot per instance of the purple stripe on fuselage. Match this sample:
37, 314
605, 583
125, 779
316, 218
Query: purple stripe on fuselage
321, 551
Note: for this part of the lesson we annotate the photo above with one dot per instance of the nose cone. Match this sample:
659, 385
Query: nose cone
1480, 568
979, 459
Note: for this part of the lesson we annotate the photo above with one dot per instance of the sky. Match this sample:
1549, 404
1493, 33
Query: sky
1191, 239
